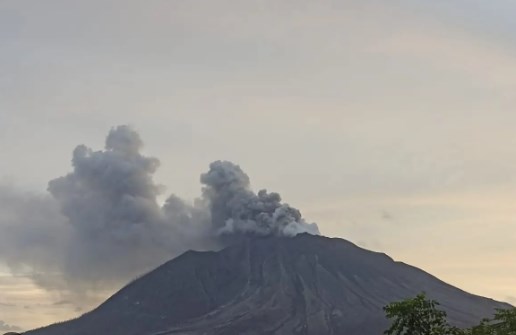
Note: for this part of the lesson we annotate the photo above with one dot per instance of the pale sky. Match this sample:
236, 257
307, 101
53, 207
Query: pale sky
389, 123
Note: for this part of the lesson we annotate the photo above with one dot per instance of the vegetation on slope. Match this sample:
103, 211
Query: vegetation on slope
421, 316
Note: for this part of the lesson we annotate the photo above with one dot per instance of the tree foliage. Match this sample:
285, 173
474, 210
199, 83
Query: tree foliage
503, 323
416, 316
421, 316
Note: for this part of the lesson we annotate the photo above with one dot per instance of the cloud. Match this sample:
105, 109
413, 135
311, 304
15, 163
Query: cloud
387, 216
101, 224
475, 57
62, 302
4, 327
236, 210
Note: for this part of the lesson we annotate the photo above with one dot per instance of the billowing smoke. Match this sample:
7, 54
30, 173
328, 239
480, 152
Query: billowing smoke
110, 202
236, 209
101, 225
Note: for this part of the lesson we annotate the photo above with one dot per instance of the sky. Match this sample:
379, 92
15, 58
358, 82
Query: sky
390, 124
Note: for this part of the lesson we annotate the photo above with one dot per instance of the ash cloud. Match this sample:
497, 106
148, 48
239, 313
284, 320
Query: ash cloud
110, 203
34, 234
236, 209
101, 225
4, 327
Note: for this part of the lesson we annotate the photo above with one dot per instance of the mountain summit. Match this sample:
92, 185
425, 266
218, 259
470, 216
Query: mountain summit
272, 285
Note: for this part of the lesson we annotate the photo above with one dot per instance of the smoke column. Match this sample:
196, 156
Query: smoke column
235, 209
101, 225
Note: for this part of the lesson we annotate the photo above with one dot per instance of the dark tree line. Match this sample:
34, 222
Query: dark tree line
421, 316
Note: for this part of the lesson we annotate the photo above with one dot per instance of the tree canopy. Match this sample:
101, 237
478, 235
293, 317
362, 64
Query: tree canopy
421, 316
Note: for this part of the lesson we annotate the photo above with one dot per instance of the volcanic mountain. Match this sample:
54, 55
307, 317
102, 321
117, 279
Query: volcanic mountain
302, 285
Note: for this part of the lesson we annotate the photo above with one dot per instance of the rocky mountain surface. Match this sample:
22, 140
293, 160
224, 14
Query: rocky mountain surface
302, 285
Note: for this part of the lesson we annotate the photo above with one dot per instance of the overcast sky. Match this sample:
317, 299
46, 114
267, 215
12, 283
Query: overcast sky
389, 123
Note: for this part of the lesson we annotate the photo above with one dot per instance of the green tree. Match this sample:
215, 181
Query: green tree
503, 323
418, 316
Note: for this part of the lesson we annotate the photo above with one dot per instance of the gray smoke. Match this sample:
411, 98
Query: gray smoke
4, 327
101, 225
117, 226
236, 209
34, 234
110, 202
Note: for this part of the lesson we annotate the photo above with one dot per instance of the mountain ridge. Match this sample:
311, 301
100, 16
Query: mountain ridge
271, 285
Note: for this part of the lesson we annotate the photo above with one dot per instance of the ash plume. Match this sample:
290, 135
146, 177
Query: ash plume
110, 202
236, 209
4, 327
102, 225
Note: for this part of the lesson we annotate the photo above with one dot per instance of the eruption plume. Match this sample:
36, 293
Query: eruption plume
236, 209
101, 224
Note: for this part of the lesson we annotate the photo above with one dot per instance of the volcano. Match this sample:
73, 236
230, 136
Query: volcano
302, 285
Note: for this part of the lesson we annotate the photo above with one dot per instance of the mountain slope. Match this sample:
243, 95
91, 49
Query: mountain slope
302, 285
